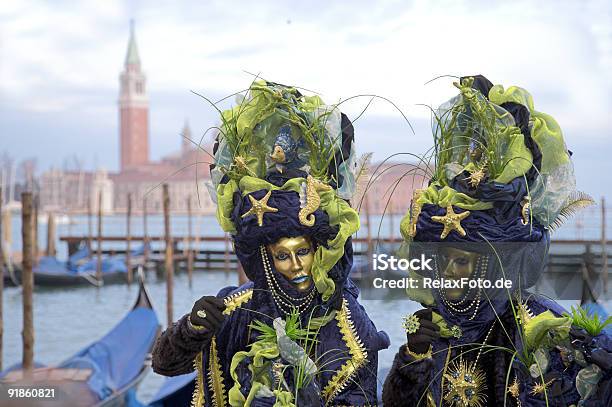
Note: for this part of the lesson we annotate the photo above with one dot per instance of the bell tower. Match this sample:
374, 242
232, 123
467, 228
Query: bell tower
133, 109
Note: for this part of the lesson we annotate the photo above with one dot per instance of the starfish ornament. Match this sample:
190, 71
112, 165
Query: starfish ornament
451, 221
258, 208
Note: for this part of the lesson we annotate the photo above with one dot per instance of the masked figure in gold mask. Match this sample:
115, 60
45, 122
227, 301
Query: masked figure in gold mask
503, 179
295, 335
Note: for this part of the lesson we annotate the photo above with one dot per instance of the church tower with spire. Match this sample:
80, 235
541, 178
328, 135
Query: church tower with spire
186, 140
133, 110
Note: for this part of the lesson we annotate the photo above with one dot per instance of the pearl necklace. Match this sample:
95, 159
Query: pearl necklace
481, 267
285, 302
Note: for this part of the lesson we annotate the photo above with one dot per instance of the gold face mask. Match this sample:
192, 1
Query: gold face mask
293, 257
457, 264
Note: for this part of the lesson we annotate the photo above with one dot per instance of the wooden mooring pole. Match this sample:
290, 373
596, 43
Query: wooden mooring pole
8, 230
2, 268
89, 228
27, 282
128, 238
99, 248
226, 254
189, 249
35, 248
604, 246
145, 232
51, 252
169, 265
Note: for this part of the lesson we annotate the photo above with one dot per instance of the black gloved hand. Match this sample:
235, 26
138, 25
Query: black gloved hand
207, 313
421, 340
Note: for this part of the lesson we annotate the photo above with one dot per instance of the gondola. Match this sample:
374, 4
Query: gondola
103, 374
80, 269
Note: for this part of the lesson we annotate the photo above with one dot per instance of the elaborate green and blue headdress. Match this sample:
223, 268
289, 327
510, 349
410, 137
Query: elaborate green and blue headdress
284, 166
502, 171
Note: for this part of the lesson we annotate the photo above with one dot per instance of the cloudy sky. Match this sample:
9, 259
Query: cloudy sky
60, 61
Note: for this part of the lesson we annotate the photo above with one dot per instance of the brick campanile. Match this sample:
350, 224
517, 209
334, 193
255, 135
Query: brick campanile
133, 110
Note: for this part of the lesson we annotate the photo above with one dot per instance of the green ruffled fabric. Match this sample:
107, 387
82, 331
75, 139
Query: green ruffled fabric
225, 205
545, 129
262, 354
546, 330
339, 211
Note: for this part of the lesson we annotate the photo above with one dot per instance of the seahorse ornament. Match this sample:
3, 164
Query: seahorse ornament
310, 199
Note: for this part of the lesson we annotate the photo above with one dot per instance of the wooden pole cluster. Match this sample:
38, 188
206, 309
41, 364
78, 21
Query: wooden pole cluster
51, 251
169, 254
128, 238
189, 250
99, 248
27, 282
604, 246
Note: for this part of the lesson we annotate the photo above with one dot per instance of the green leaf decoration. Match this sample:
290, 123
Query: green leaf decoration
593, 324
546, 330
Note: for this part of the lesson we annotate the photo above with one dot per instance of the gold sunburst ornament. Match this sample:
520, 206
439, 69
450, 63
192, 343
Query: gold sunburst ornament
411, 324
451, 221
465, 385
259, 208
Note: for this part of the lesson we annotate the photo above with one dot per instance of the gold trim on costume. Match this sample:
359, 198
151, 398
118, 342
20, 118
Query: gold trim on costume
525, 314
237, 300
419, 356
359, 355
197, 400
215, 376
